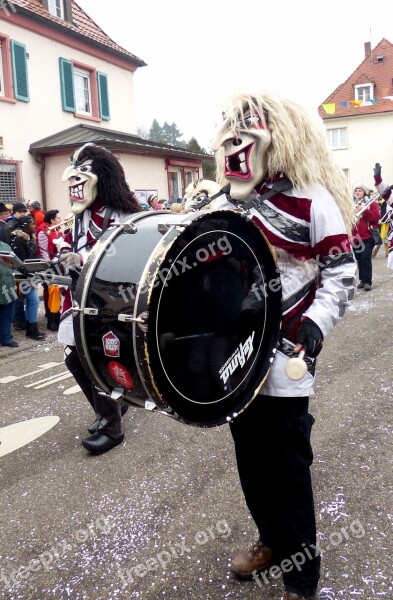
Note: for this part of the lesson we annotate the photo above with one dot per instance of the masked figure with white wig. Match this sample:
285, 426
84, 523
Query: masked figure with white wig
269, 149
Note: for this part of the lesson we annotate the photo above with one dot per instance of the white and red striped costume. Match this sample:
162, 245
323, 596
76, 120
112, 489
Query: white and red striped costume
86, 230
317, 271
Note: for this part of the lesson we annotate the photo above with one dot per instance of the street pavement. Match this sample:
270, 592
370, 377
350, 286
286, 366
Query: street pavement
160, 516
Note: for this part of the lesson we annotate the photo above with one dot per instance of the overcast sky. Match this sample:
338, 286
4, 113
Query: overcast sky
199, 53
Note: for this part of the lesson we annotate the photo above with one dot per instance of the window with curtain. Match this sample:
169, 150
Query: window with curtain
364, 92
1, 73
56, 8
337, 138
82, 92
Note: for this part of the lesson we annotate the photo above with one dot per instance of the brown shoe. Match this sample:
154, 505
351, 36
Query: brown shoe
293, 596
254, 559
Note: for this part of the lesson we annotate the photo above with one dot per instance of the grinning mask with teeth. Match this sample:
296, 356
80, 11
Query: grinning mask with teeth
240, 146
82, 182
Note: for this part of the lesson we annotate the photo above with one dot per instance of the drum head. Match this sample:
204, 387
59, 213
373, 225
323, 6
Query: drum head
214, 307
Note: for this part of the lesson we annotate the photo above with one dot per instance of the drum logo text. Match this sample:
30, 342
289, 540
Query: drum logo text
238, 358
111, 344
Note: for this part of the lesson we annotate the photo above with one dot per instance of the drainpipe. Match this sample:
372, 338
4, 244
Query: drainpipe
41, 160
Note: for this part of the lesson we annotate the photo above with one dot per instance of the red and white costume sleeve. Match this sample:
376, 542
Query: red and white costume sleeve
89, 231
317, 270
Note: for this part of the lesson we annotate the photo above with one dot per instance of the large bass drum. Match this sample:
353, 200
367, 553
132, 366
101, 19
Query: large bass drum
180, 313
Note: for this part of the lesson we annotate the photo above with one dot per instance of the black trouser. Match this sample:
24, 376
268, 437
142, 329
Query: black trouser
363, 257
274, 455
106, 410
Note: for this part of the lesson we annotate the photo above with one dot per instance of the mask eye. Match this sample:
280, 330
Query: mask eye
84, 168
251, 121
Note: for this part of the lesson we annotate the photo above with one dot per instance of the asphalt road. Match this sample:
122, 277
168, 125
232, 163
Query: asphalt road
161, 515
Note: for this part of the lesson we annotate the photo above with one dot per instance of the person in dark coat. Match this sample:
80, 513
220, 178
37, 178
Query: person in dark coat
23, 244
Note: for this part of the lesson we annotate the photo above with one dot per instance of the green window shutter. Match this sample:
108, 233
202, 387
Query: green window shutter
19, 71
103, 96
67, 85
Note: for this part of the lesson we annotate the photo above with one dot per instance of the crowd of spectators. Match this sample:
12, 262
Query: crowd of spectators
29, 232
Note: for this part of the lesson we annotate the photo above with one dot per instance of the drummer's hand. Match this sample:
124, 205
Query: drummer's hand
70, 260
309, 337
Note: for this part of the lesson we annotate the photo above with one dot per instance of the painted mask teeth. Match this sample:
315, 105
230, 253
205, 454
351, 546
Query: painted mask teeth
237, 163
76, 191
242, 162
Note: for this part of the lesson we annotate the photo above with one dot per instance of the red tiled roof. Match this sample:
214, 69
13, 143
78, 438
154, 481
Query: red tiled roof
82, 25
371, 70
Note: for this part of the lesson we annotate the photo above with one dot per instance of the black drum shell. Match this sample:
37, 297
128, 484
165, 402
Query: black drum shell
205, 292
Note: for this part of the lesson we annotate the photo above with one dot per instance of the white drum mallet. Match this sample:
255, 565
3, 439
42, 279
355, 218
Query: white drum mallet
296, 367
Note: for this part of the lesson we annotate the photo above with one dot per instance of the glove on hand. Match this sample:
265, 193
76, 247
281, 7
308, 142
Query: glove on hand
310, 337
70, 260
377, 170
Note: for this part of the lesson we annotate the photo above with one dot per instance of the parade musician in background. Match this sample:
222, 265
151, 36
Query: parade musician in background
267, 142
385, 191
367, 214
99, 195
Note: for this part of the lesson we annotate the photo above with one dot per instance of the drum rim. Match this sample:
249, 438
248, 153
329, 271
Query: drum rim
152, 377
99, 249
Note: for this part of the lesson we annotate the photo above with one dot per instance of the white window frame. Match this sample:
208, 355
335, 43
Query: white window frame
364, 92
337, 138
56, 8
178, 176
2, 91
85, 75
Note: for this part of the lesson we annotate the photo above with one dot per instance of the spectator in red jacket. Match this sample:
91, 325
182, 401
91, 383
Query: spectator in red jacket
368, 215
36, 211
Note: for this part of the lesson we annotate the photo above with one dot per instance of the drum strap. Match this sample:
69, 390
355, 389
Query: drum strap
282, 185
107, 216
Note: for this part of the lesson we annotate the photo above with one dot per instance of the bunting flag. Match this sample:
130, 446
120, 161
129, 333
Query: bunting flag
330, 108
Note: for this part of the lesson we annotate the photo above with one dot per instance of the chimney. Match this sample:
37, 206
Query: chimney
367, 49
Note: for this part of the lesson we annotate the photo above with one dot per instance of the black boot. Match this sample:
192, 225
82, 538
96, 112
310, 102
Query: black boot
33, 332
53, 322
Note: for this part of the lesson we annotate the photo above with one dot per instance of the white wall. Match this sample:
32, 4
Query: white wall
26, 122
370, 140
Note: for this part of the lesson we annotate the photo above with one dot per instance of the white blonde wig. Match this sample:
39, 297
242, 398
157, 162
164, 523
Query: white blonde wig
299, 147
195, 188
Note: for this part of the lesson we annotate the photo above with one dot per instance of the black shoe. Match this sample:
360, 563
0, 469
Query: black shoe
11, 345
100, 443
33, 332
93, 427
20, 326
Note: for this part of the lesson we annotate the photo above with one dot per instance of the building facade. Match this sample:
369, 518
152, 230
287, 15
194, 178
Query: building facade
358, 117
60, 72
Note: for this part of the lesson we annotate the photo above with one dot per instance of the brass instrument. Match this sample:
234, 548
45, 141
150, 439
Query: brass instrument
62, 226
387, 216
365, 206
